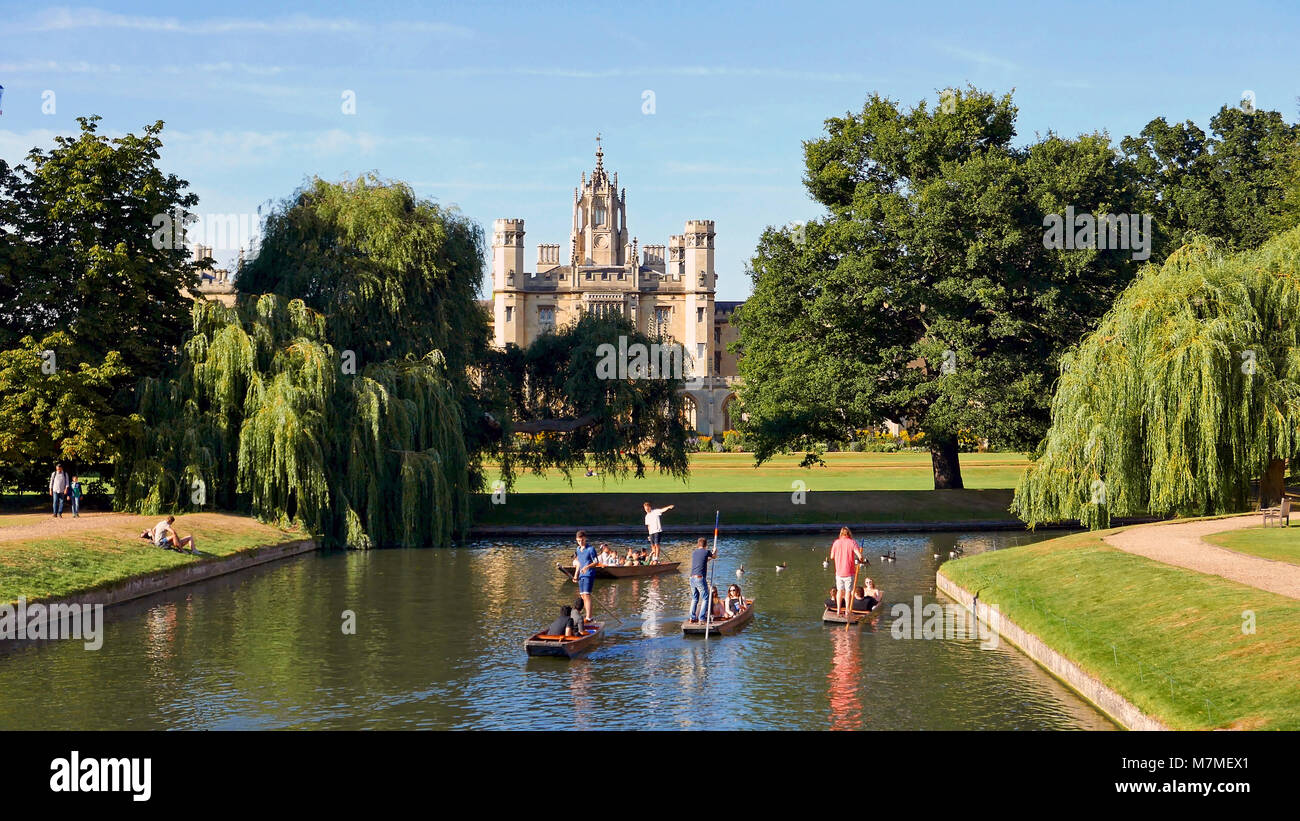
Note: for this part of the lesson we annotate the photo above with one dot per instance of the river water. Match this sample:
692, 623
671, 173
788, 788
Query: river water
438, 644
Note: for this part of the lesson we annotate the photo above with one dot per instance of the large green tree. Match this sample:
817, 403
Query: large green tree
1187, 392
78, 251
334, 392
79, 270
927, 294
1229, 184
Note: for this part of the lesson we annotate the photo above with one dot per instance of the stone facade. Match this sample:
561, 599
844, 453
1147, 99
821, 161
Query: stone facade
214, 283
667, 290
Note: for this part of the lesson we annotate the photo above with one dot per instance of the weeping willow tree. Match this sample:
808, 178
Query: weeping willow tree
336, 392
572, 405
1187, 392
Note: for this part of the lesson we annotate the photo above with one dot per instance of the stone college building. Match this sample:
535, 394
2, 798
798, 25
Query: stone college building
666, 290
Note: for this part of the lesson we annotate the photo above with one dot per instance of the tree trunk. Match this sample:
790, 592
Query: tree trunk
1272, 484
947, 468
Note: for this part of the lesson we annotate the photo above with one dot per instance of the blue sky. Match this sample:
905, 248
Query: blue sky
494, 106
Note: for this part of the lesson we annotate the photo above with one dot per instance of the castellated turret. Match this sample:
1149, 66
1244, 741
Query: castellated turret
507, 253
698, 260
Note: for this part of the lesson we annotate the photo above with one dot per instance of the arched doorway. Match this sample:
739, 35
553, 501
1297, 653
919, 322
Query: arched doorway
727, 407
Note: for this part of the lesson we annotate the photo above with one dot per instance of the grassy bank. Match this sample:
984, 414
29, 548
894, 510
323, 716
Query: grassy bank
1136, 624
1281, 544
42, 557
616, 508
729, 472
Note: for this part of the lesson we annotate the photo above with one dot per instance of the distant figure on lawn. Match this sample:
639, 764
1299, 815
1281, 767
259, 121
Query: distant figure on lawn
58, 490
164, 535
74, 493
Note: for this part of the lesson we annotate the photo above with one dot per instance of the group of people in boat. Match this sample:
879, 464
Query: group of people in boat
847, 596
608, 557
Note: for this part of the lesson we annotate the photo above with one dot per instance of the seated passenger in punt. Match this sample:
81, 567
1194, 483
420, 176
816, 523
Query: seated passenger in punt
735, 602
631, 559
717, 606
830, 600
866, 597
579, 618
562, 626
608, 558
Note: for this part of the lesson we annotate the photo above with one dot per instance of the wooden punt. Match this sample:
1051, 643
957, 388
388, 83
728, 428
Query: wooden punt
724, 627
566, 646
829, 616
629, 572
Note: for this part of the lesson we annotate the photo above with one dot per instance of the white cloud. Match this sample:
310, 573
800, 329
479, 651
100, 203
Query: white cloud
65, 19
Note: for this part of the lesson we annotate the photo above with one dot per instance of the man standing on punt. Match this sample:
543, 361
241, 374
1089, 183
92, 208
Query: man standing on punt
846, 554
700, 558
654, 527
584, 571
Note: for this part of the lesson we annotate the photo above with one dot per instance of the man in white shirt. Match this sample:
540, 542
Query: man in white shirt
164, 535
653, 525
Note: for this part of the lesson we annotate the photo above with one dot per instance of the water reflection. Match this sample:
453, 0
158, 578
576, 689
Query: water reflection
845, 695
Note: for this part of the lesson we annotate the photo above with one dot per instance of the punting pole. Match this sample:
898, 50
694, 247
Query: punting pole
708, 583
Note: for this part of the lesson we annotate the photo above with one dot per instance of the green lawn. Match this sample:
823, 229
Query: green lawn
107, 549
1281, 544
729, 472
1133, 622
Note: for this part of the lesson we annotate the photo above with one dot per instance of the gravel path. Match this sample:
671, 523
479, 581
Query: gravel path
1181, 545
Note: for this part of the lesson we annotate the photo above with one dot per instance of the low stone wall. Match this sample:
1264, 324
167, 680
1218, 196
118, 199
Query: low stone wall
173, 577
1107, 700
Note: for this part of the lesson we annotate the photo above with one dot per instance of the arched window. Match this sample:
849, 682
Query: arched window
598, 213
690, 412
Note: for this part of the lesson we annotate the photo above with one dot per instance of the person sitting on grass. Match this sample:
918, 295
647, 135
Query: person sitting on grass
735, 602
562, 626
165, 536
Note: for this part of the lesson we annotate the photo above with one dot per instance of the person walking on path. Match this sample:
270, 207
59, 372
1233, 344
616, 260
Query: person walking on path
58, 490
584, 571
700, 558
655, 527
74, 493
846, 554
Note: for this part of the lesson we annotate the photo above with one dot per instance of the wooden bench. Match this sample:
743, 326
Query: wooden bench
1281, 513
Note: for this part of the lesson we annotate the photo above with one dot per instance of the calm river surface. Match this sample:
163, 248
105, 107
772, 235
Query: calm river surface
439, 645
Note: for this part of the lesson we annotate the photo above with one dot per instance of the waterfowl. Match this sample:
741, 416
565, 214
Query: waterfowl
780, 567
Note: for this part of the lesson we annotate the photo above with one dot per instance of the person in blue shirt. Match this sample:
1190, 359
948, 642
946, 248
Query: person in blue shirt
700, 558
584, 571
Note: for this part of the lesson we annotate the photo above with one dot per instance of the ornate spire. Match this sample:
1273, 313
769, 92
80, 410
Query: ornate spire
598, 176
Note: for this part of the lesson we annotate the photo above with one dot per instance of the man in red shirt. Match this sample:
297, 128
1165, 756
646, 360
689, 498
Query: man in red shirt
846, 554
